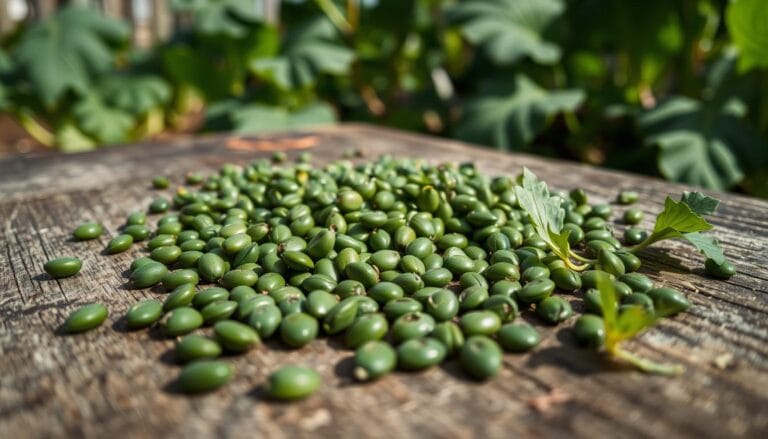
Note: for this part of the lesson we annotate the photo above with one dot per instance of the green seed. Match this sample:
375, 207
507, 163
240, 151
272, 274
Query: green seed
159, 205
554, 310
265, 319
504, 306
144, 313
480, 323
536, 291
160, 182
590, 331
195, 347
64, 266
566, 279
293, 382
633, 216
235, 278
481, 357
367, 327
86, 318
298, 329
373, 360
668, 301
180, 296
136, 218
181, 321
216, 311
634, 235
211, 267
138, 232
398, 307
119, 244
412, 325
420, 353
442, 305
722, 271
87, 231
363, 273
627, 197
204, 376
639, 283
518, 337
235, 336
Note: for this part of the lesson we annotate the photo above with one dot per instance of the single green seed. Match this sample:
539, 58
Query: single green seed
420, 353
481, 357
518, 337
217, 311
298, 329
86, 318
450, 335
195, 347
160, 182
204, 376
293, 382
668, 301
90, 230
627, 197
590, 331
119, 244
181, 321
480, 323
723, 271
182, 295
554, 310
373, 360
367, 327
265, 319
209, 296
633, 216
62, 267
144, 313
235, 336
138, 232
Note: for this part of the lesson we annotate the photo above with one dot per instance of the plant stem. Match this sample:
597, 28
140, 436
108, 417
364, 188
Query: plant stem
645, 364
34, 129
334, 14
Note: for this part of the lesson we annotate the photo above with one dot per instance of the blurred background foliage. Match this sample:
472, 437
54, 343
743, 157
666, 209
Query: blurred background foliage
671, 88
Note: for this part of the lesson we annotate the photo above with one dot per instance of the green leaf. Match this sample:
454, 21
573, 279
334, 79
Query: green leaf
510, 114
220, 17
747, 22
508, 30
136, 95
702, 144
71, 139
678, 218
259, 118
545, 214
103, 123
707, 245
67, 50
700, 203
305, 53
633, 320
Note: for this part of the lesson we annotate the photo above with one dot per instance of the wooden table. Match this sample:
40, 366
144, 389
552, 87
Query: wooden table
113, 383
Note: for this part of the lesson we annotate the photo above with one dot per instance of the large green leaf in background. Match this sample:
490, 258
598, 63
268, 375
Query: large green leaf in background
306, 52
220, 17
509, 114
65, 51
508, 30
135, 94
748, 25
103, 123
706, 144
258, 118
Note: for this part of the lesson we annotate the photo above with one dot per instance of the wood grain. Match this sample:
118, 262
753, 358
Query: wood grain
110, 382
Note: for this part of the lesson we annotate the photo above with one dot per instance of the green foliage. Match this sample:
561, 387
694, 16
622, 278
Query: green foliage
67, 51
305, 53
684, 219
673, 88
509, 114
508, 30
748, 23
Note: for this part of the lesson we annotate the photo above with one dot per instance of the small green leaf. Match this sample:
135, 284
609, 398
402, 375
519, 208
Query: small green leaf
546, 215
707, 245
747, 22
509, 114
508, 30
65, 51
678, 217
135, 94
700, 203
220, 17
707, 144
633, 320
71, 139
306, 52
103, 123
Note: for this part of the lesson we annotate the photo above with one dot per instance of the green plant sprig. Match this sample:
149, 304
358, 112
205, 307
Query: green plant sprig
624, 325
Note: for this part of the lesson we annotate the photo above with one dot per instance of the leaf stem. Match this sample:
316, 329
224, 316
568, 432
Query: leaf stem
645, 364
334, 14
35, 129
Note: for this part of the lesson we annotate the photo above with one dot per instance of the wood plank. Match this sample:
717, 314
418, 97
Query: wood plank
114, 382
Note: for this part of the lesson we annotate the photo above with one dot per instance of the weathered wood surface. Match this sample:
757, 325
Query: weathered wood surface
110, 382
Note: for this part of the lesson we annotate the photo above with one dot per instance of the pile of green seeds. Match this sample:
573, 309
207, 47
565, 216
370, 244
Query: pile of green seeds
411, 264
